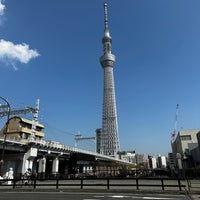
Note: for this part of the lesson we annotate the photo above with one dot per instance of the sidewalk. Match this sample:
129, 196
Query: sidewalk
195, 197
194, 189
189, 196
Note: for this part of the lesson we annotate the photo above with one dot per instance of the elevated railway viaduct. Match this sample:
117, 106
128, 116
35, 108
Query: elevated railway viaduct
49, 159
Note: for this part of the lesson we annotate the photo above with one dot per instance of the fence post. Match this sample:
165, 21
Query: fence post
81, 183
137, 185
14, 183
108, 184
162, 183
34, 183
57, 180
179, 184
188, 186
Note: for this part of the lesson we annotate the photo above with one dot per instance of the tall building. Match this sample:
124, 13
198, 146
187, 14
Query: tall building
109, 136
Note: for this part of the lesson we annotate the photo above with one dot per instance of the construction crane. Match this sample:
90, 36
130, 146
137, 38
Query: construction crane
173, 135
79, 137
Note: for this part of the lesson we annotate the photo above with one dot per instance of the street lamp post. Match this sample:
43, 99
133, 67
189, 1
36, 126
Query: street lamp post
5, 136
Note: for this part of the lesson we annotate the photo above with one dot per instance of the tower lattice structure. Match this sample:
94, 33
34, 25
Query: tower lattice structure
109, 144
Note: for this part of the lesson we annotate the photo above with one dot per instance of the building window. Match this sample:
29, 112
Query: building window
186, 137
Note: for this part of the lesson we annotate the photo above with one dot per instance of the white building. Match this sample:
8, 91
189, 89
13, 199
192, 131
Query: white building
152, 162
162, 162
128, 156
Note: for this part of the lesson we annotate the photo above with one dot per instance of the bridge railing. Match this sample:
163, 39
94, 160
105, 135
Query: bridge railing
153, 184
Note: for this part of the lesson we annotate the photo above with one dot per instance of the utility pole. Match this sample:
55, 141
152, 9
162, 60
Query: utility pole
5, 135
35, 121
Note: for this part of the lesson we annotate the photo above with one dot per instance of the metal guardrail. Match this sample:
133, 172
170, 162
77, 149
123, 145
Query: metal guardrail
98, 183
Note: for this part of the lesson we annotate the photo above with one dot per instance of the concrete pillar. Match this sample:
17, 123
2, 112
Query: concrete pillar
84, 169
26, 165
90, 169
42, 167
28, 159
30, 164
55, 166
180, 166
178, 157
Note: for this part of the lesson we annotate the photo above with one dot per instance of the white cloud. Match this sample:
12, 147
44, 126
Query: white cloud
2, 9
11, 53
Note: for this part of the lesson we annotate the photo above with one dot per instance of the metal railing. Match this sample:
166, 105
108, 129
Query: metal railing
152, 184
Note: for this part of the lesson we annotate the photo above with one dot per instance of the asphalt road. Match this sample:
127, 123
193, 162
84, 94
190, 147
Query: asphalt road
86, 196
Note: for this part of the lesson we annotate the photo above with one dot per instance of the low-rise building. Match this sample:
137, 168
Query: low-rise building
128, 156
171, 160
142, 160
185, 149
20, 129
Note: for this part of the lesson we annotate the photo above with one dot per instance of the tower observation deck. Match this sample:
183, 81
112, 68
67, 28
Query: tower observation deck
109, 144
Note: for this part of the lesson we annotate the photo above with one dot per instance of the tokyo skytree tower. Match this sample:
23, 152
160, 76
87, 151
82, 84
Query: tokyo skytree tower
109, 144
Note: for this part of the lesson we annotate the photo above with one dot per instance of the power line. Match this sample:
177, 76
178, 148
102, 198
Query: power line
58, 129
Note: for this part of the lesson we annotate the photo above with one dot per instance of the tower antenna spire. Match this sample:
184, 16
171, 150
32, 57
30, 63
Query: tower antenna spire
105, 16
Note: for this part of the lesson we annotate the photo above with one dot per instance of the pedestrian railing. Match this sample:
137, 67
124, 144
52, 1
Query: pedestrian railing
193, 185
98, 183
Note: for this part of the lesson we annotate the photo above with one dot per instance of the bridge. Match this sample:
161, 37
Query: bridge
49, 146
52, 159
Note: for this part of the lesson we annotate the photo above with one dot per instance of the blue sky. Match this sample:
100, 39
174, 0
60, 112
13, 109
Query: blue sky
50, 50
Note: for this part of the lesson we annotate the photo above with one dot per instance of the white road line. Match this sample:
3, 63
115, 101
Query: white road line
98, 196
138, 197
91, 199
156, 198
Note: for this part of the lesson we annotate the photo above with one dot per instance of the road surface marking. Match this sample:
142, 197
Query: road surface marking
156, 198
91, 199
